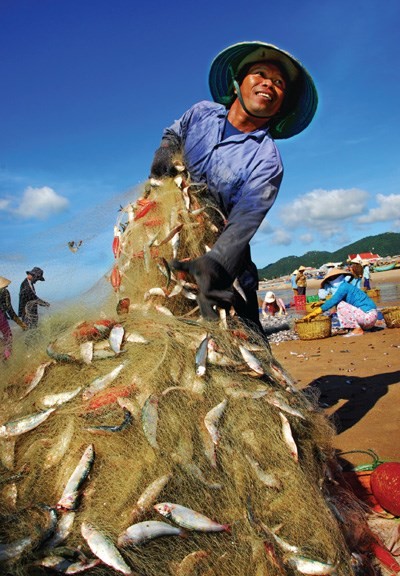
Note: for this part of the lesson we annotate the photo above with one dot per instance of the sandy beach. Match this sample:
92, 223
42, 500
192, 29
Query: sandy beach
357, 380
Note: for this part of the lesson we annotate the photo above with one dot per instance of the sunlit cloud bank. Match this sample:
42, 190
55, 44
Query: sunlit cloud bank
36, 203
388, 209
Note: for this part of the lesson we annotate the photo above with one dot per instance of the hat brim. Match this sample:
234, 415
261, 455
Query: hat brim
336, 272
34, 274
228, 63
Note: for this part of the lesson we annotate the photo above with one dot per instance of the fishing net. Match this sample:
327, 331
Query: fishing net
129, 400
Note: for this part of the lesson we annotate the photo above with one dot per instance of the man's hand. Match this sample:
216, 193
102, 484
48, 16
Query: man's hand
313, 314
213, 282
316, 304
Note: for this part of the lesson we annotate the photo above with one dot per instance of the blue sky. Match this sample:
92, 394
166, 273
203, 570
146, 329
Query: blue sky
87, 86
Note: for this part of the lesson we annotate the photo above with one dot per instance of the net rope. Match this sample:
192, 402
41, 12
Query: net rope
128, 399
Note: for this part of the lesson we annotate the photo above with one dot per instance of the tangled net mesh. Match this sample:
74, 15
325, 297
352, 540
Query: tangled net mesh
152, 404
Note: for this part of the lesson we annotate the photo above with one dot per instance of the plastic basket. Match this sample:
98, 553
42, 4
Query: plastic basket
319, 327
300, 302
391, 316
312, 298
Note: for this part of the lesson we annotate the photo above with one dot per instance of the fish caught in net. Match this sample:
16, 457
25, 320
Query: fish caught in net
142, 439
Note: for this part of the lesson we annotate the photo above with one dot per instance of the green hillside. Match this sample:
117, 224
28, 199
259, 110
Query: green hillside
387, 244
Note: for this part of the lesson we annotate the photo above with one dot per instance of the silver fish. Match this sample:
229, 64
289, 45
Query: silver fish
201, 357
212, 419
193, 470
59, 356
63, 529
251, 361
267, 479
60, 447
37, 377
156, 291
86, 351
102, 547
188, 565
103, 429
164, 310
275, 400
149, 496
136, 338
144, 531
24, 424
69, 497
82, 566
150, 419
286, 547
58, 399
116, 337
100, 354
240, 393
310, 566
190, 519
14, 549
102, 382
218, 358
288, 437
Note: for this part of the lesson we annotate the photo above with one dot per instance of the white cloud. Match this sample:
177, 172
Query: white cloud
4, 204
319, 208
41, 203
388, 209
306, 238
281, 238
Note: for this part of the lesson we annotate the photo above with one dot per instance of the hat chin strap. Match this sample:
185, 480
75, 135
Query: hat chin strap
240, 98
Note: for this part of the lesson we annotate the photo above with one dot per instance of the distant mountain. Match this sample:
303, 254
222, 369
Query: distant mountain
387, 244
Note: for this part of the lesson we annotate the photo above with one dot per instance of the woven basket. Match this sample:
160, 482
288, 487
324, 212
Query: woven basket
319, 327
392, 316
374, 294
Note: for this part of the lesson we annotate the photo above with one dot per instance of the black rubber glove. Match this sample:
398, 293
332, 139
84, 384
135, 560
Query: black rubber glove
163, 164
213, 282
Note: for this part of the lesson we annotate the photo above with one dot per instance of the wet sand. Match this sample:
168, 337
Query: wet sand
357, 380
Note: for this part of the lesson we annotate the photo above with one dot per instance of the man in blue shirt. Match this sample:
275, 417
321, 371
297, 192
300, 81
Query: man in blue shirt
260, 93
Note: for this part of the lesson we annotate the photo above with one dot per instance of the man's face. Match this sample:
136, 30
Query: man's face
263, 89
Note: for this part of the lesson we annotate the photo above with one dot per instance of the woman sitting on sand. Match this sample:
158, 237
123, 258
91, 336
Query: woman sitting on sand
272, 305
356, 311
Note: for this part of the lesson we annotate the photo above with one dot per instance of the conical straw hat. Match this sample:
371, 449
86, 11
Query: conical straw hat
4, 282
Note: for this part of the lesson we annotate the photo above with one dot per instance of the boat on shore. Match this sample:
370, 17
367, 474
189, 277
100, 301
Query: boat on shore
385, 268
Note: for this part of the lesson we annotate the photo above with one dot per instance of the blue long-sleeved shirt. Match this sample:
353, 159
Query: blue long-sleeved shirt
352, 295
243, 173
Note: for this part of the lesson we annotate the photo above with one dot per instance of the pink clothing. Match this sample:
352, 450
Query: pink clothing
352, 317
7, 334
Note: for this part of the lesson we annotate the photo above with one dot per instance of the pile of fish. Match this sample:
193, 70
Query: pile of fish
147, 441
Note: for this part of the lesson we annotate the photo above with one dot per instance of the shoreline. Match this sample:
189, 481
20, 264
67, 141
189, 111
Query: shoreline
313, 284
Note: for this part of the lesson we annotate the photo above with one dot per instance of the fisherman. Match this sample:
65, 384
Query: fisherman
7, 313
28, 300
261, 93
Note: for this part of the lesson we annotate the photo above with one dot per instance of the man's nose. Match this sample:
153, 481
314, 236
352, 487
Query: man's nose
268, 82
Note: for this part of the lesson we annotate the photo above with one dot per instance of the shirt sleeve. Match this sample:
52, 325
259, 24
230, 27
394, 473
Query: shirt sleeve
337, 297
258, 195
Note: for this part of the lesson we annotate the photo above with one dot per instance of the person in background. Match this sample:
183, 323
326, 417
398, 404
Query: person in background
7, 313
301, 281
272, 305
261, 93
356, 311
28, 300
293, 282
357, 273
366, 275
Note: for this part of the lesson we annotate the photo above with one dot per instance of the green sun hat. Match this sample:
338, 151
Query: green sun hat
303, 102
